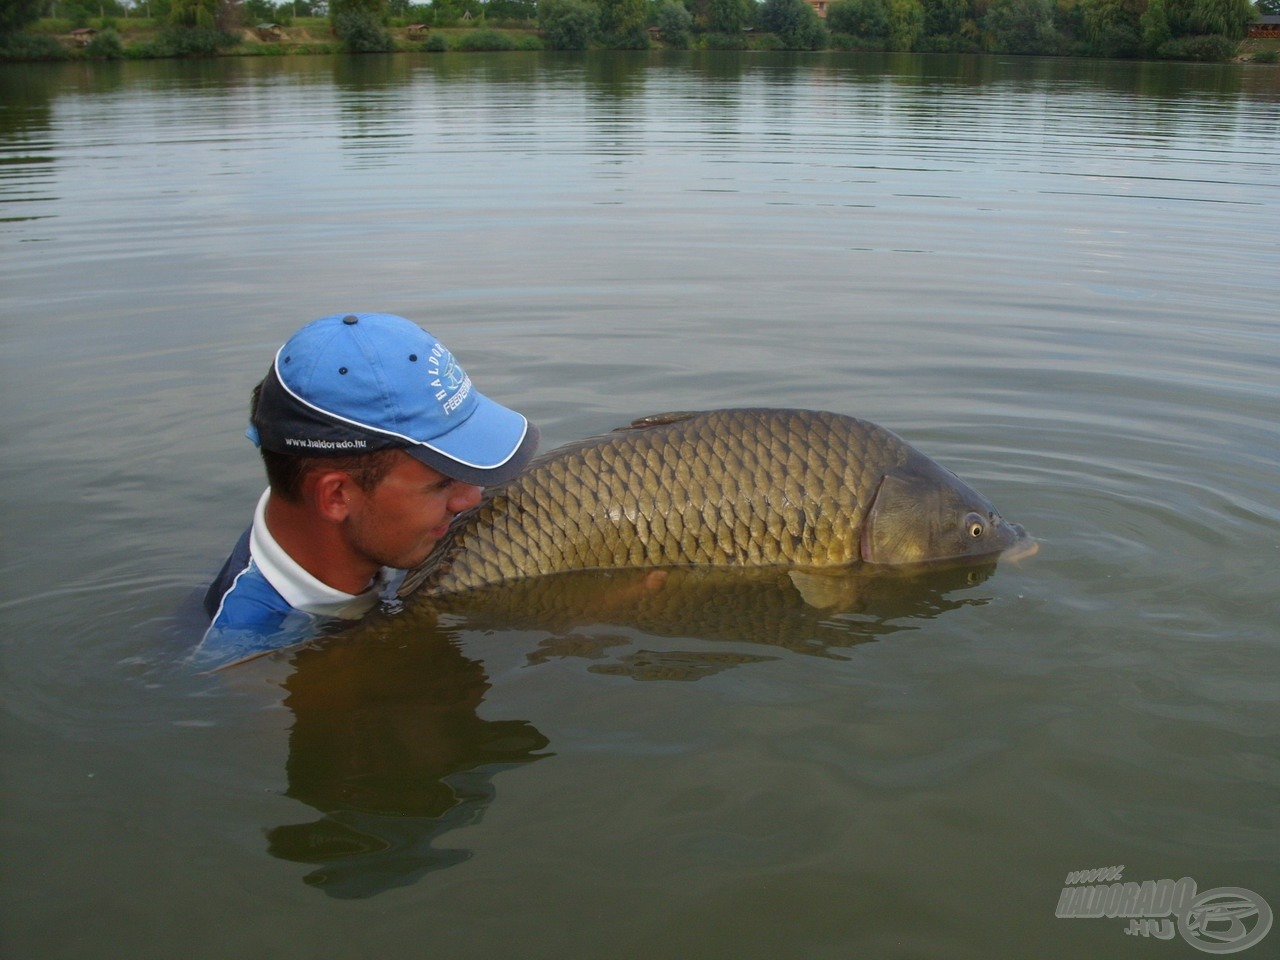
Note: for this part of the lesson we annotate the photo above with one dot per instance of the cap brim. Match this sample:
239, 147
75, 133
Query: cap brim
491, 446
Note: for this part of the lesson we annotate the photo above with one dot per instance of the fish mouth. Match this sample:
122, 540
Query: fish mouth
1022, 547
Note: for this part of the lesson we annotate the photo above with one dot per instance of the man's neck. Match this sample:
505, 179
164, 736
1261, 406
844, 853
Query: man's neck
317, 546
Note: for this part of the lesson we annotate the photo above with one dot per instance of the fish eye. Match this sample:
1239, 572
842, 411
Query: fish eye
974, 525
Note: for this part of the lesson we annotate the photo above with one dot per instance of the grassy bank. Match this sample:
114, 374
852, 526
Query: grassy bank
126, 38
1259, 50
142, 38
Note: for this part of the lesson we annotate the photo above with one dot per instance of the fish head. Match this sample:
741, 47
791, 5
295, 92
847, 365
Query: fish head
928, 514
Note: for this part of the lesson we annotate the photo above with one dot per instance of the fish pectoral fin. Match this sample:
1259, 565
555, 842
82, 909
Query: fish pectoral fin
896, 528
824, 589
658, 420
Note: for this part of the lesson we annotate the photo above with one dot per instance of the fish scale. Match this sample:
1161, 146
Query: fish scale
748, 487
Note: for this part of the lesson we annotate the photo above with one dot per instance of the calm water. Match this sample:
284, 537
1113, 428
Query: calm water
1058, 278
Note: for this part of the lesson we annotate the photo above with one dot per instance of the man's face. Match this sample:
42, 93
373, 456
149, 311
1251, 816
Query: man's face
398, 522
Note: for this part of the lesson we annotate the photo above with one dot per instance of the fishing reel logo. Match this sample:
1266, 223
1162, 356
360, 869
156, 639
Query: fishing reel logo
1221, 920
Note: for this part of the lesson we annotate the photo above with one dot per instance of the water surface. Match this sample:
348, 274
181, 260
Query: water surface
1057, 278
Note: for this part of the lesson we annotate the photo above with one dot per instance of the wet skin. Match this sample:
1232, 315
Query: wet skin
399, 521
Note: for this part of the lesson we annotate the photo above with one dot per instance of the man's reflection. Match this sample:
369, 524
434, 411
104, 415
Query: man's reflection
387, 744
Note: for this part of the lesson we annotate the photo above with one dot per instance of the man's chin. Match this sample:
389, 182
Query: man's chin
409, 561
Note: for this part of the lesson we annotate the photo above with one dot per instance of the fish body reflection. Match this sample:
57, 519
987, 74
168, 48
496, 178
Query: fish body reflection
814, 612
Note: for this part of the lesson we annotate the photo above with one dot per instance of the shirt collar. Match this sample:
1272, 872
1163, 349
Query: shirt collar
299, 588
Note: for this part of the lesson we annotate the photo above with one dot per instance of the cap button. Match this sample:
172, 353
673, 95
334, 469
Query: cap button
350, 319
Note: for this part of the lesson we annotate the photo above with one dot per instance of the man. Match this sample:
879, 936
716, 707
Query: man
373, 439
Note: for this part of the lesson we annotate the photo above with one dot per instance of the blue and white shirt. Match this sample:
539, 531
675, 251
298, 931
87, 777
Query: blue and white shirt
263, 600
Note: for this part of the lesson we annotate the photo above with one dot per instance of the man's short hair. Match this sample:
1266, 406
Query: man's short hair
286, 473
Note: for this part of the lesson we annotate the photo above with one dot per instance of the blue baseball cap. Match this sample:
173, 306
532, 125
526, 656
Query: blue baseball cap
358, 382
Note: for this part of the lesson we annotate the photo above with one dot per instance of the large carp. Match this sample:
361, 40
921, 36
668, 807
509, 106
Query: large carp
729, 488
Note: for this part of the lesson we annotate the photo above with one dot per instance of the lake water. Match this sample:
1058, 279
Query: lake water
1061, 279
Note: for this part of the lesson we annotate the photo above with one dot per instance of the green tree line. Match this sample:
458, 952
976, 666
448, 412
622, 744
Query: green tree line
1171, 29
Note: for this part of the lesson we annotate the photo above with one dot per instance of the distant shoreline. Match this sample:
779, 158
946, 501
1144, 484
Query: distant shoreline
140, 38
304, 37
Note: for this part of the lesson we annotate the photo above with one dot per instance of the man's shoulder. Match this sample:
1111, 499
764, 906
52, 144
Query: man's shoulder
250, 601
237, 563
263, 600
247, 615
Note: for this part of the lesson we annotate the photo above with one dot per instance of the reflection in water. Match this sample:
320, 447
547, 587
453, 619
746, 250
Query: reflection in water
27, 173
386, 743
618, 77
372, 106
816, 613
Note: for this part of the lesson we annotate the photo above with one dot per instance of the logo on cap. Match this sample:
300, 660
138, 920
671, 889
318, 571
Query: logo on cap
450, 380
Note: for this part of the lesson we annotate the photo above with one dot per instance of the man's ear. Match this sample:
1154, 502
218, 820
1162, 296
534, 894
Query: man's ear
330, 491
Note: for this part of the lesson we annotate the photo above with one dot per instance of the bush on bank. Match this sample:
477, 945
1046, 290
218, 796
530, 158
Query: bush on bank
795, 24
107, 45
361, 32
568, 24
32, 48
674, 23
479, 41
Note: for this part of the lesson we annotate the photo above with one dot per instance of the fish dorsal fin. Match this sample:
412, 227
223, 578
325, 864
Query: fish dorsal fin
658, 420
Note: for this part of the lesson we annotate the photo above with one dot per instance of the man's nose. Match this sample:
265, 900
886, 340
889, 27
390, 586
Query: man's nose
466, 497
